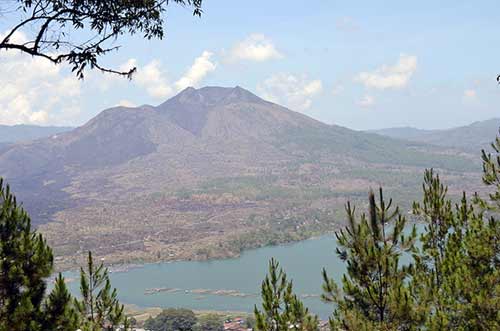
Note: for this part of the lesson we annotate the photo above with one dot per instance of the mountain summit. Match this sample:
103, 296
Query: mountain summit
190, 108
211, 96
207, 166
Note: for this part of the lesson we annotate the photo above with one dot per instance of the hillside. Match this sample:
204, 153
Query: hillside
471, 138
208, 173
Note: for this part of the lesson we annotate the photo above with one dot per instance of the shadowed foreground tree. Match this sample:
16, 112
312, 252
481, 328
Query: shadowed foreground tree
79, 33
25, 263
281, 308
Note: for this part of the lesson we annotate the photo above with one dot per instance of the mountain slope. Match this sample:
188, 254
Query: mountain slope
207, 173
471, 138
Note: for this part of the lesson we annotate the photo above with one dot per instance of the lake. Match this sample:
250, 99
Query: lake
197, 285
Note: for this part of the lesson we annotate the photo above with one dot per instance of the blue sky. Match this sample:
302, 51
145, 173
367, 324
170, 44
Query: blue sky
360, 64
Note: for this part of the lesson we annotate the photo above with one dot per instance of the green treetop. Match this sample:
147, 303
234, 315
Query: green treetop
99, 307
281, 308
491, 173
59, 311
375, 293
457, 279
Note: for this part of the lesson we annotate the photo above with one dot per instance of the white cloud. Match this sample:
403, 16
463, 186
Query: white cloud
286, 89
201, 67
386, 77
366, 101
34, 90
17, 37
125, 67
256, 47
153, 78
41, 117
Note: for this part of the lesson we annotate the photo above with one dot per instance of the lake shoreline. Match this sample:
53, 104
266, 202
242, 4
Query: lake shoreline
127, 266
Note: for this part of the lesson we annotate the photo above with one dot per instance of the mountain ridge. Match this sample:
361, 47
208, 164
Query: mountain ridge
470, 138
212, 167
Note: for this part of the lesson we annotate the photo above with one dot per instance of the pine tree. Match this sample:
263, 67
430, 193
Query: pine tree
375, 294
281, 308
25, 262
457, 277
59, 310
99, 307
491, 175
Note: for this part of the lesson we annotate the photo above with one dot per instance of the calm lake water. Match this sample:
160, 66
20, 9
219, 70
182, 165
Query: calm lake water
302, 261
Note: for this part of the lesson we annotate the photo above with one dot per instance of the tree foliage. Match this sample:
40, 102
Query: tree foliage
59, 311
211, 322
172, 319
457, 278
491, 176
99, 306
281, 308
25, 262
79, 33
375, 293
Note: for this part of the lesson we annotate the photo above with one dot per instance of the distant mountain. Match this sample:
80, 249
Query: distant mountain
18, 133
471, 138
207, 173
